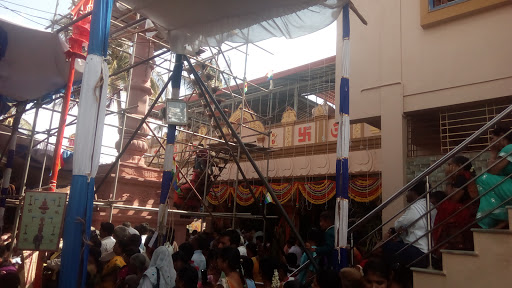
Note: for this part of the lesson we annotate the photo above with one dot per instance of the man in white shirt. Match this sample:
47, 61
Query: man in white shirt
200, 243
107, 241
410, 229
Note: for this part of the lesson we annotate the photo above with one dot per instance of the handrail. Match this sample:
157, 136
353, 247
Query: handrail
435, 186
471, 224
433, 167
451, 216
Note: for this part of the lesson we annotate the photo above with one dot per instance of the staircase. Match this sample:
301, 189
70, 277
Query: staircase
490, 265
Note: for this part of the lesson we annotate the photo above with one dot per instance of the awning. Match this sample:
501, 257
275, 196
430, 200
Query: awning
189, 25
32, 63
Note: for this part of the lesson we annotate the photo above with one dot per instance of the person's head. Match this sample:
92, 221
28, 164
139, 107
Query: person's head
499, 131
377, 274
142, 228
200, 242
252, 249
259, 240
187, 277
128, 252
10, 280
229, 238
290, 242
119, 246
106, 229
436, 197
187, 249
93, 261
291, 259
228, 259
139, 263
247, 267
134, 240
267, 267
179, 260
326, 279
326, 219
314, 237
127, 224
121, 232
416, 191
351, 278
458, 163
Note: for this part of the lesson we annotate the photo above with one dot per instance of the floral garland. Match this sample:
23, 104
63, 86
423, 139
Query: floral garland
318, 192
284, 191
363, 189
219, 194
244, 196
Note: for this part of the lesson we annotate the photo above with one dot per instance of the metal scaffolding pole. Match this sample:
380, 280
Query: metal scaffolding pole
123, 125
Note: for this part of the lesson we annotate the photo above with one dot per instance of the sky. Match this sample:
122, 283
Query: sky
286, 54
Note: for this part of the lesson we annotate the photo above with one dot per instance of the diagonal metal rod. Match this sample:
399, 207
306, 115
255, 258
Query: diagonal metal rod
139, 63
253, 194
251, 160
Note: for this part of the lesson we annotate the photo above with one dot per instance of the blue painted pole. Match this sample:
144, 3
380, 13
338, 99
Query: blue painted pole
342, 148
169, 172
89, 132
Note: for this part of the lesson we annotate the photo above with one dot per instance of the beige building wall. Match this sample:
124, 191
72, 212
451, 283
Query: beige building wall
397, 66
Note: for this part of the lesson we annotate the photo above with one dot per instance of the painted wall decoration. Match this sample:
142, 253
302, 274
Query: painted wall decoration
361, 189
41, 221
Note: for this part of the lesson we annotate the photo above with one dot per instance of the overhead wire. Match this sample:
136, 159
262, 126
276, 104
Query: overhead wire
19, 13
28, 7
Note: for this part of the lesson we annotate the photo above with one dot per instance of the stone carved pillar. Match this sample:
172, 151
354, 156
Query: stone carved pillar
140, 91
288, 121
321, 122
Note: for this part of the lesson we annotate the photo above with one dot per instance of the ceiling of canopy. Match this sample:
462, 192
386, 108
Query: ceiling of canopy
189, 25
32, 63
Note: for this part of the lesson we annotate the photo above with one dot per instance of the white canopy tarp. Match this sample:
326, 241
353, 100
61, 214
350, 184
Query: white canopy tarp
190, 24
32, 62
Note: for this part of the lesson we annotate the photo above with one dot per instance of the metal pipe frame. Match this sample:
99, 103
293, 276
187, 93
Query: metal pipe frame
204, 89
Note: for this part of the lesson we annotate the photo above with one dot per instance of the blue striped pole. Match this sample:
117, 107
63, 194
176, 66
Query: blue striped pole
169, 166
342, 148
89, 134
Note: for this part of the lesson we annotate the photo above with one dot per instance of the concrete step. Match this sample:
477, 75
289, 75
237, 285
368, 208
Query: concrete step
427, 278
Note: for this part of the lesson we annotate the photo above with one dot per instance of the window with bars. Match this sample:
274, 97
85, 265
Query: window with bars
438, 4
457, 126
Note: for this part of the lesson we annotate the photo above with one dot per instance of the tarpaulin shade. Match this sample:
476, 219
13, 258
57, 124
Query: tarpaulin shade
192, 24
32, 62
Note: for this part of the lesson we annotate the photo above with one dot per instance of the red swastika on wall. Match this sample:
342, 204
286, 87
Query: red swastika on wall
334, 130
304, 133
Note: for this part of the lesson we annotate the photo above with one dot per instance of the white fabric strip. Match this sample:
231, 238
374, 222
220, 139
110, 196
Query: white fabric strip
341, 222
168, 161
345, 59
175, 93
7, 177
91, 117
345, 131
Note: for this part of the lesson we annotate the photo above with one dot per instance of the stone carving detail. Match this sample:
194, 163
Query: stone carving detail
320, 110
289, 116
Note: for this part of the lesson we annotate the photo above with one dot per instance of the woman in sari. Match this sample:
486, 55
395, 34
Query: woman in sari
494, 196
161, 273
459, 194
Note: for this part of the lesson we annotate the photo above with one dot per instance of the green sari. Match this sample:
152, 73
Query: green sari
497, 195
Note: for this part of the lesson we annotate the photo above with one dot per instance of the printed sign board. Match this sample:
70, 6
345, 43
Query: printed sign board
41, 220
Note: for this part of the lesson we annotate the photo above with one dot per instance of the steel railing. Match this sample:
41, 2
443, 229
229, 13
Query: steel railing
424, 175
